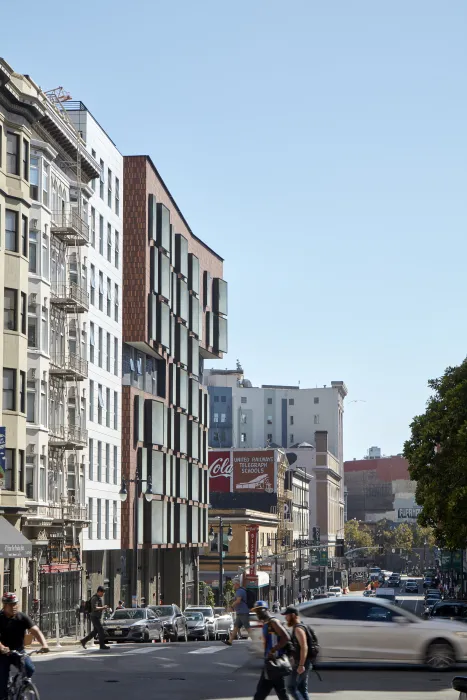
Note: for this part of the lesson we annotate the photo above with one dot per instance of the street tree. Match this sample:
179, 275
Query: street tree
229, 594
357, 535
206, 594
437, 456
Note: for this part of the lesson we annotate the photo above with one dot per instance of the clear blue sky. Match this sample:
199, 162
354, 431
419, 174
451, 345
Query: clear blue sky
320, 148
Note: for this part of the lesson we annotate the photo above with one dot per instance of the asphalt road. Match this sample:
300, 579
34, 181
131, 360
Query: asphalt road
212, 671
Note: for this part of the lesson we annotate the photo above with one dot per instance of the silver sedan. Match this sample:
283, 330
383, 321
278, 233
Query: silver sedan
225, 623
133, 625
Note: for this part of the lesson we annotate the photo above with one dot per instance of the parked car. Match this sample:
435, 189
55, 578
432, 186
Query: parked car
197, 626
427, 582
173, 621
208, 613
450, 610
320, 596
430, 602
432, 593
394, 581
225, 623
411, 586
337, 590
133, 625
353, 629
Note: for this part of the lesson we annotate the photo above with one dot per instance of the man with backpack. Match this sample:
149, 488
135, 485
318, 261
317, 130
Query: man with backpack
276, 643
96, 607
304, 651
242, 612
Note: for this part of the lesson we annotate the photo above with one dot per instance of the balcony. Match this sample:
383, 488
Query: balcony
69, 227
71, 367
70, 297
65, 512
72, 437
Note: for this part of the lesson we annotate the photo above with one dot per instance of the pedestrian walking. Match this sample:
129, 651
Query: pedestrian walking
242, 611
301, 661
120, 605
275, 640
97, 608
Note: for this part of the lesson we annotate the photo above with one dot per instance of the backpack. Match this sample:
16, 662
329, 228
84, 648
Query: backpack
250, 598
312, 642
87, 606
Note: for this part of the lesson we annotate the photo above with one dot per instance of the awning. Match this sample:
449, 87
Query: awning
259, 580
13, 544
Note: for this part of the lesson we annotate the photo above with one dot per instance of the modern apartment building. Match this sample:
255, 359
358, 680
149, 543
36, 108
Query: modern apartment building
174, 317
104, 387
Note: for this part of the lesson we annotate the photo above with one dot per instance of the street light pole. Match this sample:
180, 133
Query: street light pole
220, 547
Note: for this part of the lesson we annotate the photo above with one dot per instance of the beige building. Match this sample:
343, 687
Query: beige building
19, 109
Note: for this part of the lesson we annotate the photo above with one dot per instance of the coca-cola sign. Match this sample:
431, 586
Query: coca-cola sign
220, 470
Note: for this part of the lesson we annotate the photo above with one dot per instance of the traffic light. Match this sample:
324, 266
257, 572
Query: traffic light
340, 548
316, 535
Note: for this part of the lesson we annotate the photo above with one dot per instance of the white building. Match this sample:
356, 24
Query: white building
104, 344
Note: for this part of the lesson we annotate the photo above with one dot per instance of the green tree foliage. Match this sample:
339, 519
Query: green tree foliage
229, 594
206, 594
437, 456
357, 534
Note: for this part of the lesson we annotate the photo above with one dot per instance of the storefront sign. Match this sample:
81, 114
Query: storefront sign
220, 471
409, 513
15, 551
253, 471
252, 547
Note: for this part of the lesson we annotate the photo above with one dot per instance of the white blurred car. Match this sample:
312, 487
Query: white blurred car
337, 590
460, 683
369, 630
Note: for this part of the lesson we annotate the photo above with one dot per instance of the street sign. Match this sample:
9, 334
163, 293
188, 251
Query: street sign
451, 560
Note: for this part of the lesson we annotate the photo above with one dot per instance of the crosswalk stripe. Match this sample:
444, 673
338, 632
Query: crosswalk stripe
207, 650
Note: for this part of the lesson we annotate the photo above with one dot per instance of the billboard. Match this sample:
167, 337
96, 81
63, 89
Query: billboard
253, 470
220, 470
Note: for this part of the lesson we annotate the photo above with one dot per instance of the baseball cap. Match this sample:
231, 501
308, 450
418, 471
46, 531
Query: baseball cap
260, 605
291, 610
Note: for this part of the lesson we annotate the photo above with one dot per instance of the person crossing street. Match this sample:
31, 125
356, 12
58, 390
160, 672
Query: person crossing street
97, 608
298, 680
275, 640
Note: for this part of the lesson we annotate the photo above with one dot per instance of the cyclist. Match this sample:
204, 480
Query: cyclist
13, 626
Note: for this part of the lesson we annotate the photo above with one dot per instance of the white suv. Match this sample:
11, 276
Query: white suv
337, 590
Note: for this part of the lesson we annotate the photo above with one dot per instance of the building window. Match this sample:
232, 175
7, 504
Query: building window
291, 420
109, 242
316, 399
107, 462
109, 297
316, 419
107, 408
91, 400
12, 153
99, 347
22, 392
93, 284
243, 418
216, 418
108, 358
291, 402
90, 516
269, 437
24, 317
9, 470
34, 179
117, 250
33, 252
9, 389
223, 399
92, 342
107, 519
26, 160
270, 402
99, 460
100, 403
216, 399
101, 234
93, 182
116, 302
91, 459
116, 357
101, 291
45, 256
99, 518
45, 331
101, 179
33, 341
291, 437
243, 399
11, 230
93, 227
269, 420
243, 437
117, 196
24, 235
114, 520
109, 187
115, 410
10, 309
43, 416
42, 474
45, 184
31, 401
115, 464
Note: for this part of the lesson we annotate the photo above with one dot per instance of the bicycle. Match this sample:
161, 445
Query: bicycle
20, 687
